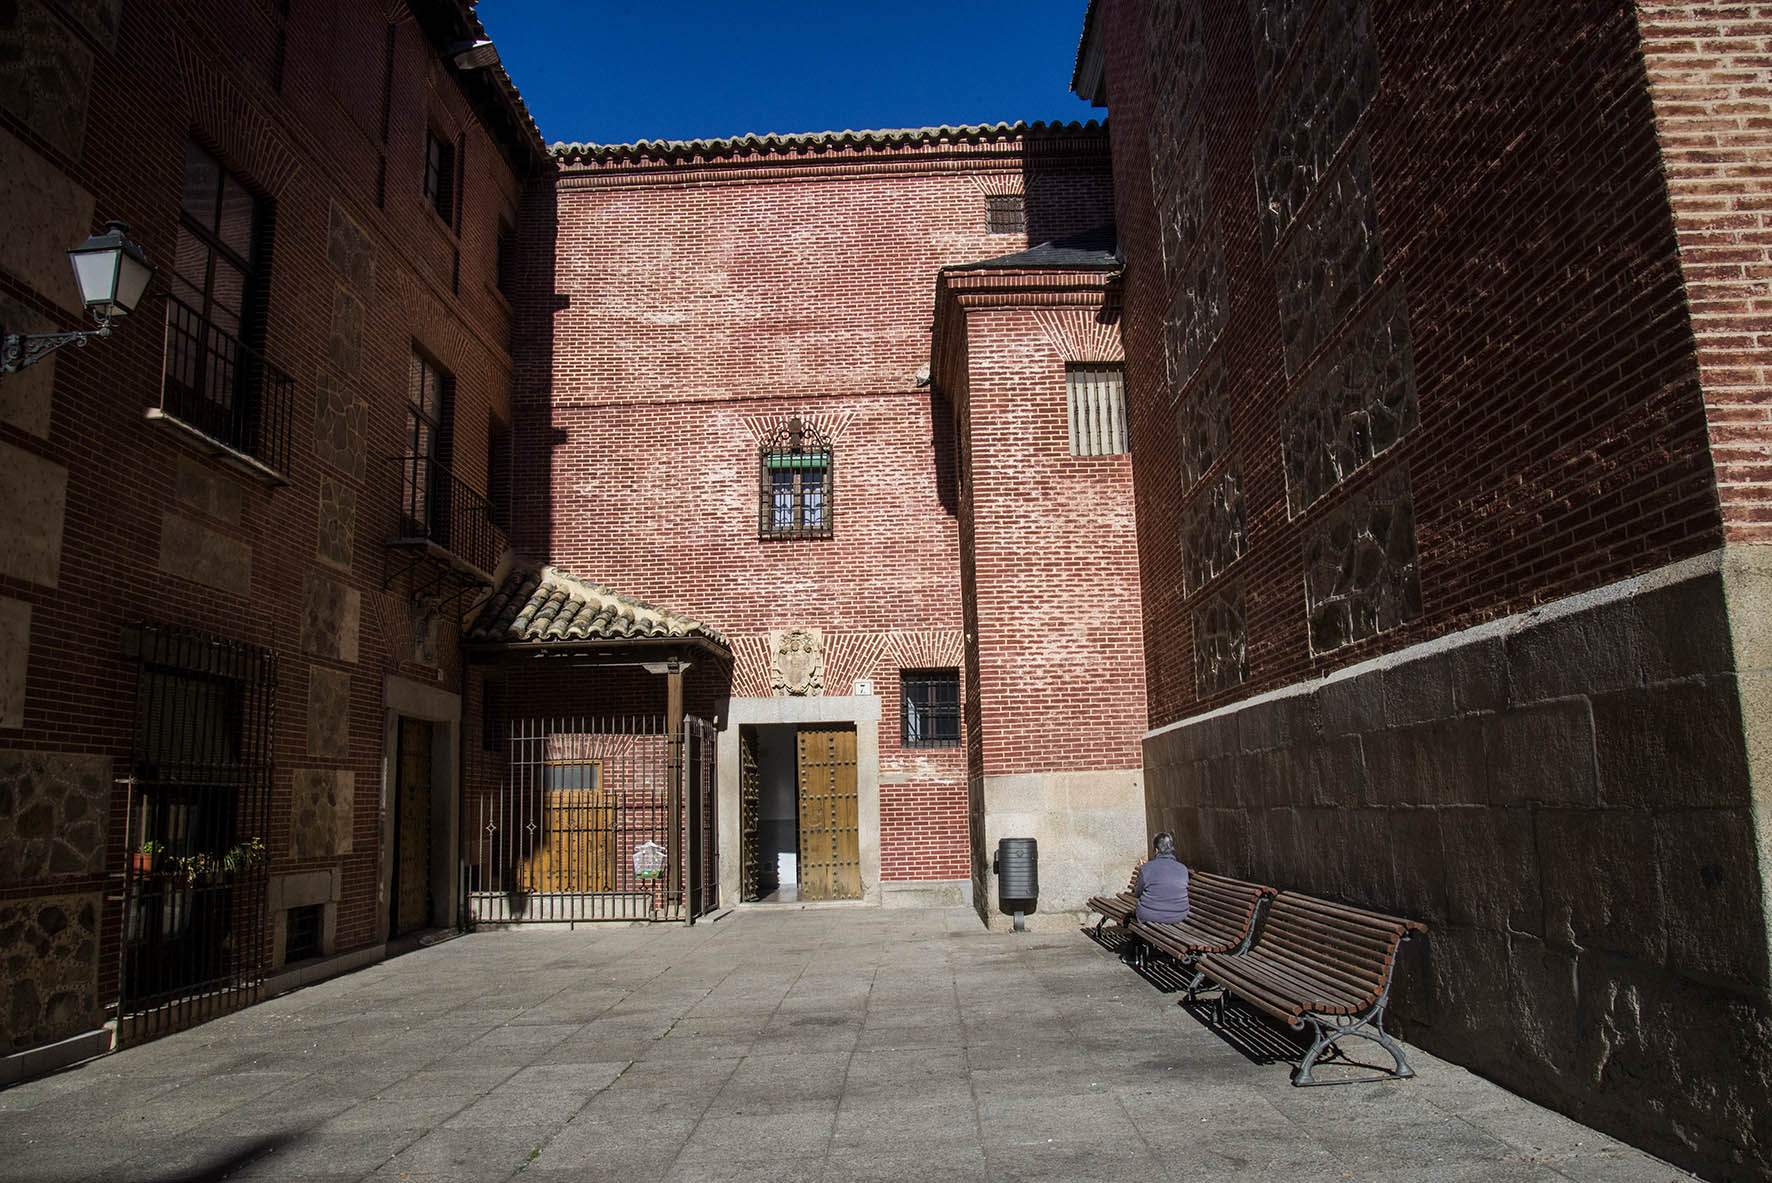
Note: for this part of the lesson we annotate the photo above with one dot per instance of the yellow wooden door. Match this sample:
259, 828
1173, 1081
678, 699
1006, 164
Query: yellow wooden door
575, 850
830, 839
412, 905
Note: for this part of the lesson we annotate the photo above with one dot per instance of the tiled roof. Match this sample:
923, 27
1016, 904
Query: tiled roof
550, 605
1092, 249
490, 89
753, 144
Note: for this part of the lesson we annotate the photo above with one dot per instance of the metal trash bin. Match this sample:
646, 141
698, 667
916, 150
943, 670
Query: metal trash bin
1017, 868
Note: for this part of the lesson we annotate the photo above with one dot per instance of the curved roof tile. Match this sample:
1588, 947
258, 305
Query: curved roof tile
549, 604
576, 153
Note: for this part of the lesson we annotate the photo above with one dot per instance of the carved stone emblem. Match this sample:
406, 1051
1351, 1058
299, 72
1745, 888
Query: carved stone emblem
797, 667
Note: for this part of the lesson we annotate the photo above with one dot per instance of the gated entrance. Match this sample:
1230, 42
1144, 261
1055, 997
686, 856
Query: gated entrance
596, 819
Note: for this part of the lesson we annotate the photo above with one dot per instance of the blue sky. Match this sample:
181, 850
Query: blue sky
613, 72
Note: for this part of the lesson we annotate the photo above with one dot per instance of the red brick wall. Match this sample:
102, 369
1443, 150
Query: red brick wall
1053, 560
1709, 66
702, 304
1521, 205
205, 71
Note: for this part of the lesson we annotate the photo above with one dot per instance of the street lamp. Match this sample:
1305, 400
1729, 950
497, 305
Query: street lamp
112, 272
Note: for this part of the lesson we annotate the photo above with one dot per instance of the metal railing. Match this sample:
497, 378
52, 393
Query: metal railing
224, 388
584, 823
437, 507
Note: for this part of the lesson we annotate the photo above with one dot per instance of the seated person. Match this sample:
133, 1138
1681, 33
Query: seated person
1162, 885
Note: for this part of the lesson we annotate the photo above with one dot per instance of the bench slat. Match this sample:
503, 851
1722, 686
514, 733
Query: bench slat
1331, 949
1295, 980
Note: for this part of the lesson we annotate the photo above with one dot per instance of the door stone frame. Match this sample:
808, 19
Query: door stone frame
440, 708
861, 710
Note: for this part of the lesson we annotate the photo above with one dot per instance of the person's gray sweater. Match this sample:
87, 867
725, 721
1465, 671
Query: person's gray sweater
1161, 890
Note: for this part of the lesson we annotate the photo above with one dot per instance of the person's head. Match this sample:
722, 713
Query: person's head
1164, 843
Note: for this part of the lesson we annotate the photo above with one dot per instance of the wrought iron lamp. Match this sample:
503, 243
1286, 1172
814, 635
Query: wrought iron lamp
112, 272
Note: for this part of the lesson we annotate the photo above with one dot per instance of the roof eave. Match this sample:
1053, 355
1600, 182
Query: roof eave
1089, 76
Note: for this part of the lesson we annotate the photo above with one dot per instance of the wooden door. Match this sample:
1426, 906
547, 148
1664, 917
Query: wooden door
412, 828
575, 849
830, 841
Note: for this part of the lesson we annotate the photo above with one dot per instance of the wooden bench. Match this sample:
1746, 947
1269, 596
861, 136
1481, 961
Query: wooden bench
1117, 908
1319, 964
1220, 919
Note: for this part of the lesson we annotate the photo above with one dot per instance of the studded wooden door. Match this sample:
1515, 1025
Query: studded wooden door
412, 829
830, 842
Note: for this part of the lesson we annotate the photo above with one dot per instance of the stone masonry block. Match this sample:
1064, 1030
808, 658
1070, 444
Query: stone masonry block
341, 425
344, 342
1439, 763
47, 214
35, 493
1277, 723
191, 550
1675, 745
329, 712
1418, 691
1747, 585
1351, 704
49, 967
1587, 652
1712, 1048
1684, 630
351, 251
1710, 882
15, 653
1542, 1004
26, 397
1491, 869
320, 812
208, 492
1542, 754
1479, 676
1421, 876
1338, 772
1467, 971
331, 615
1601, 886
47, 78
53, 810
337, 522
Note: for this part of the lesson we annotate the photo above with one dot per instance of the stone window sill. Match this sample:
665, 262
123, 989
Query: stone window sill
196, 440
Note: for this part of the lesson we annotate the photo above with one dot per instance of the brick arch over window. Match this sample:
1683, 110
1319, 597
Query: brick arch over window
796, 482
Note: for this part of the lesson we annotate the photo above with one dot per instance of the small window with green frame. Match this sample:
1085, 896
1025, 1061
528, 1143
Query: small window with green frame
795, 483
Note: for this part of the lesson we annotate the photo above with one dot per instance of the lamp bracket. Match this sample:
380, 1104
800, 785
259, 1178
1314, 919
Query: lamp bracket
23, 349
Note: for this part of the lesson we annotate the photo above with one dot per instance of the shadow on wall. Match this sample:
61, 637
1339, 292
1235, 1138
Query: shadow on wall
535, 302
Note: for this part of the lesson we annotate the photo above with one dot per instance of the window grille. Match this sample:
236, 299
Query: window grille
1097, 409
196, 931
1006, 213
795, 484
929, 708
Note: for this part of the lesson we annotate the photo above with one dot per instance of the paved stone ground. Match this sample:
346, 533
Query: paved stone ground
779, 1045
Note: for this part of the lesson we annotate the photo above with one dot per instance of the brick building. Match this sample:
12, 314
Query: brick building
724, 405
1445, 327
237, 530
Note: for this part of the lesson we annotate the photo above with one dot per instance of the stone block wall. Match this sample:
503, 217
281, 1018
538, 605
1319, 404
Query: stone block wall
1566, 798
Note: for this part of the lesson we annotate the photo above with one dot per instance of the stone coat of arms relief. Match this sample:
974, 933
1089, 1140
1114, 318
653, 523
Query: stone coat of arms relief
796, 667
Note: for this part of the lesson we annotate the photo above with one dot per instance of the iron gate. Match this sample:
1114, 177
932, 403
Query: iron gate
196, 931
595, 819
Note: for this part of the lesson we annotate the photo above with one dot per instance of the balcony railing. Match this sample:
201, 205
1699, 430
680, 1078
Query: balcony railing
439, 509
224, 389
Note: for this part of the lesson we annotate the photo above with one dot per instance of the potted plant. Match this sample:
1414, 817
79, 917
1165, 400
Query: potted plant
243, 856
146, 857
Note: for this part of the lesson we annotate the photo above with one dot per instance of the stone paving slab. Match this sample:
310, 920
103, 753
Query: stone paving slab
773, 1044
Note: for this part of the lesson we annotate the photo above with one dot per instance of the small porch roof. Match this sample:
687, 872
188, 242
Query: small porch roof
537, 610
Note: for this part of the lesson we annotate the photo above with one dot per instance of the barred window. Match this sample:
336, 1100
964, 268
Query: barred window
1096, 397
795, 484
1006, 213
929, 708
